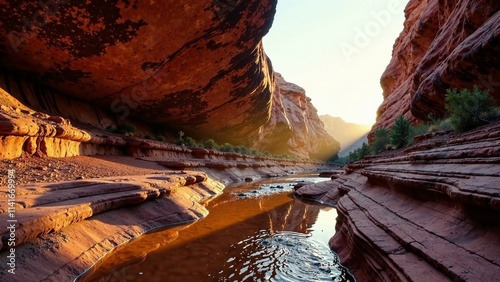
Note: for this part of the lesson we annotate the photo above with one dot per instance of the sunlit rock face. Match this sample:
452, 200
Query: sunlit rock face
294, 126
197, 66
444, 44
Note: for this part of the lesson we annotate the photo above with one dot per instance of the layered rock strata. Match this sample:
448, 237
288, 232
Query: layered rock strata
444, 44
64, 228
430, 211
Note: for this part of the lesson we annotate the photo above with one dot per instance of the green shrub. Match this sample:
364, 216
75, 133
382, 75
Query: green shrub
468, 109
186, 141
242, 149
190, 142
210, 144
353, 156
493, 115
438, 125
126, 129
420, 129
363, 151
381, 139
161, 138
400, 133
226, 148
359, 153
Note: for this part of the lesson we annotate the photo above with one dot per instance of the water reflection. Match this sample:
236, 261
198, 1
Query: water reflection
269, 238
281, 256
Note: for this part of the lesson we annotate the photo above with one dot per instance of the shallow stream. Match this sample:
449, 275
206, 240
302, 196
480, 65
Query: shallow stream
254, 232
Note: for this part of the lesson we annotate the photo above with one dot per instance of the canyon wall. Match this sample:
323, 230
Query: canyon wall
429, 213
197, 67
294, 126
444, 44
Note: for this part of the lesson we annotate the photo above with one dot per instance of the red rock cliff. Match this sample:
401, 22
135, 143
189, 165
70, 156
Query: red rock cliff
294, 126
197, 67
444, 44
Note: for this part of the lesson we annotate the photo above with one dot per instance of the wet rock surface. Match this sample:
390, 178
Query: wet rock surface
429, 211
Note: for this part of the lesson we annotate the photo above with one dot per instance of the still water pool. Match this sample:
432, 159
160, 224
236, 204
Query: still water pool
254, 232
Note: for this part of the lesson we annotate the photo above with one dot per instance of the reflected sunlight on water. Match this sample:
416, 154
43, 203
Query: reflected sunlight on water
274, 237
281, 256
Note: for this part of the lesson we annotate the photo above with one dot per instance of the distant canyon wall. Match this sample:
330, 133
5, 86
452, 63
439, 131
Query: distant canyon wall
197, 67
444, 44
294, 125
350, 135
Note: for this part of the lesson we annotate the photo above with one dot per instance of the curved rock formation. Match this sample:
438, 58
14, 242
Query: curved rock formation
197, 67
444, 44
64, 228
430, 212
56, 239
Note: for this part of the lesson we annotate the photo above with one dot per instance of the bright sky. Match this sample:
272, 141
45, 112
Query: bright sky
337, 51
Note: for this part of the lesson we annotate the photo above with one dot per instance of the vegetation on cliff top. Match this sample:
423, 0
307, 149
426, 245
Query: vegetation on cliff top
467, 110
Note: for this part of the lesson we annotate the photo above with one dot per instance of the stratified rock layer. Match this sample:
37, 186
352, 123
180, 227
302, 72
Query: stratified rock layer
430, 213
64, 228
444, 44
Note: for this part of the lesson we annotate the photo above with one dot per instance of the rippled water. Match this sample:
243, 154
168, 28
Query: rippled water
251, 234
281, 256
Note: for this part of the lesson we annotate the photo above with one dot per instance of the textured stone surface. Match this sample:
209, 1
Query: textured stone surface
153, 57
294, 126
64, 228
444, 44
431, 211
23, 130
121, 208
197, 67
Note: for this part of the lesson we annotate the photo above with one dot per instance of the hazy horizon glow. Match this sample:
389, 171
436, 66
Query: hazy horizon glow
337, 51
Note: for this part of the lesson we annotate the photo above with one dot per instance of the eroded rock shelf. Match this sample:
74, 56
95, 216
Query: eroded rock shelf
63, 228
430, 212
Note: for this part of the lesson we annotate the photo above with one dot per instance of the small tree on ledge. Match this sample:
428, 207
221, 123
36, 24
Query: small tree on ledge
400, 132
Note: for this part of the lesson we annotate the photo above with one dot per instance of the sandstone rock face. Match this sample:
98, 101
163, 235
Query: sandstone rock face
444, 44
430, 211
294, 126
64, 228
197, 67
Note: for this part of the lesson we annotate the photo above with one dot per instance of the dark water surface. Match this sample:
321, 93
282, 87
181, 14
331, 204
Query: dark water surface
254, 232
